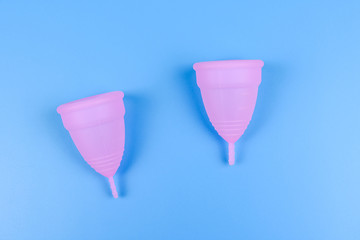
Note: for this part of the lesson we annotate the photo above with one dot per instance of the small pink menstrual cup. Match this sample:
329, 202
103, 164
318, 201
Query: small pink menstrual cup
96, 125
229, 90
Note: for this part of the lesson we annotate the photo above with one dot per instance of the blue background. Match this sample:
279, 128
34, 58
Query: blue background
297, 172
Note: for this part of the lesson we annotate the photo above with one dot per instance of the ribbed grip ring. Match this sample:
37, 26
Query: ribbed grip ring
230, 128
106, 166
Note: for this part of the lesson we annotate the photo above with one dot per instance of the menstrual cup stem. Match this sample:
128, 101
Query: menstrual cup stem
113, 187
231, 153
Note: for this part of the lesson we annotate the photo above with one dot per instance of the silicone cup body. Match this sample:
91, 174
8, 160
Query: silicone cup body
229, 91
96, 125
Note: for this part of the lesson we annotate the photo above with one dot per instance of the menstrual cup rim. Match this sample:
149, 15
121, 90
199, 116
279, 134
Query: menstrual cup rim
228, 64
89, 101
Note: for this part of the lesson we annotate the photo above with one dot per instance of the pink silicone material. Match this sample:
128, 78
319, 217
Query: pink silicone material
229, 91
96, 125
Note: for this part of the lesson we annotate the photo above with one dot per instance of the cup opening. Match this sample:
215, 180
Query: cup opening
90, 101
228, 64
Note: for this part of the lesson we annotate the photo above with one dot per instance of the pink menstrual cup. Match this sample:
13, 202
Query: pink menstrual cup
96, 125
229, 90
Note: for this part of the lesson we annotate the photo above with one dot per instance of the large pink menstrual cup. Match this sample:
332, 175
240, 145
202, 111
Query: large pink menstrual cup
96, 125
229, 90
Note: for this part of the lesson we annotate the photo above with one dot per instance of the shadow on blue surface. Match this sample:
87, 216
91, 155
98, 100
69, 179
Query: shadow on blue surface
190, 87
